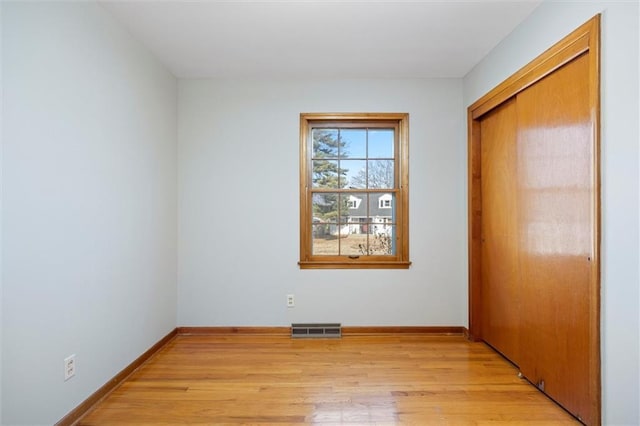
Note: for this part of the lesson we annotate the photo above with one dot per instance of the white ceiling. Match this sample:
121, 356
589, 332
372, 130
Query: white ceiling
321, 38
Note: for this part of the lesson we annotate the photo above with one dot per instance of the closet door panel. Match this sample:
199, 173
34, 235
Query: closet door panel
555, 196
500, 320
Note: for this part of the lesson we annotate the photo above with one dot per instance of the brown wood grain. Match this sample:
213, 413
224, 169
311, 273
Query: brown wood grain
499, 253
90, 403
74, 415
283, 331
425, 330
384, 379
570, 47
555, 148
346, 330
558, 217
474, 212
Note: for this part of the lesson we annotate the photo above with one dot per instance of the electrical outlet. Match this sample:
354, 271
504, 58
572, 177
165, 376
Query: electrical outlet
69, 367
290, 301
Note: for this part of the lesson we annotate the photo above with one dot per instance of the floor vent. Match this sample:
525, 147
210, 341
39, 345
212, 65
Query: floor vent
316, 330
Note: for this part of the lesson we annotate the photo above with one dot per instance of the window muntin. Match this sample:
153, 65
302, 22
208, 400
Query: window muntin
354, 191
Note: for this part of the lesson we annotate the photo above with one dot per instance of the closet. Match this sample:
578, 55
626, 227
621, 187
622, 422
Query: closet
534, 222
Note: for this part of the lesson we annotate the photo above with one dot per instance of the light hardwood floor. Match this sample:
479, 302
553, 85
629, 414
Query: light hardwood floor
385, 379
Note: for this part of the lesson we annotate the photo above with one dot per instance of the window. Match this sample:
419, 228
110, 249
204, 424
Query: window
384, 202
353, 202
354, 186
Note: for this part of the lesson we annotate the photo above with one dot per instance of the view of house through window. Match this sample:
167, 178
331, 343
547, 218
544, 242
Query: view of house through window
353, 159
354, 203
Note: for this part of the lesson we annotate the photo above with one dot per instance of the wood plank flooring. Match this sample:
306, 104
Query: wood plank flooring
384, 379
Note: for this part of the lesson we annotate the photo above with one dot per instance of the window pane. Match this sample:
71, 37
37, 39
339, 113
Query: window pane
323, 242
354, 143
343, 216
382, 240
356, 210
394, 218
380, 174
354, 174
325, 143
354, 245
325, 208
382, 208
381, 143
325, 174
353, 196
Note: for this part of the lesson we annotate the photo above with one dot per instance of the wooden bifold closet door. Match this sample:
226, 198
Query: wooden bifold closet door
534, 222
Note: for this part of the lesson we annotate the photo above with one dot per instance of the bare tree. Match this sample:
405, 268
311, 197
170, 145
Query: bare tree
380, 175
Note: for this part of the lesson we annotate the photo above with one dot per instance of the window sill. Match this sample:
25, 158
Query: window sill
355, 264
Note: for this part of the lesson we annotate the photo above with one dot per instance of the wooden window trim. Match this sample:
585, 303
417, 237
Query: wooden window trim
401, 190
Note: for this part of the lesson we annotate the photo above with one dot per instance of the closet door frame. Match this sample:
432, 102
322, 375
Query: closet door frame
585, 39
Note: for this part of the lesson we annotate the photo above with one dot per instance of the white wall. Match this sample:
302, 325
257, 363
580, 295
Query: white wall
1, 173
620, 177
239, 206
89, 247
